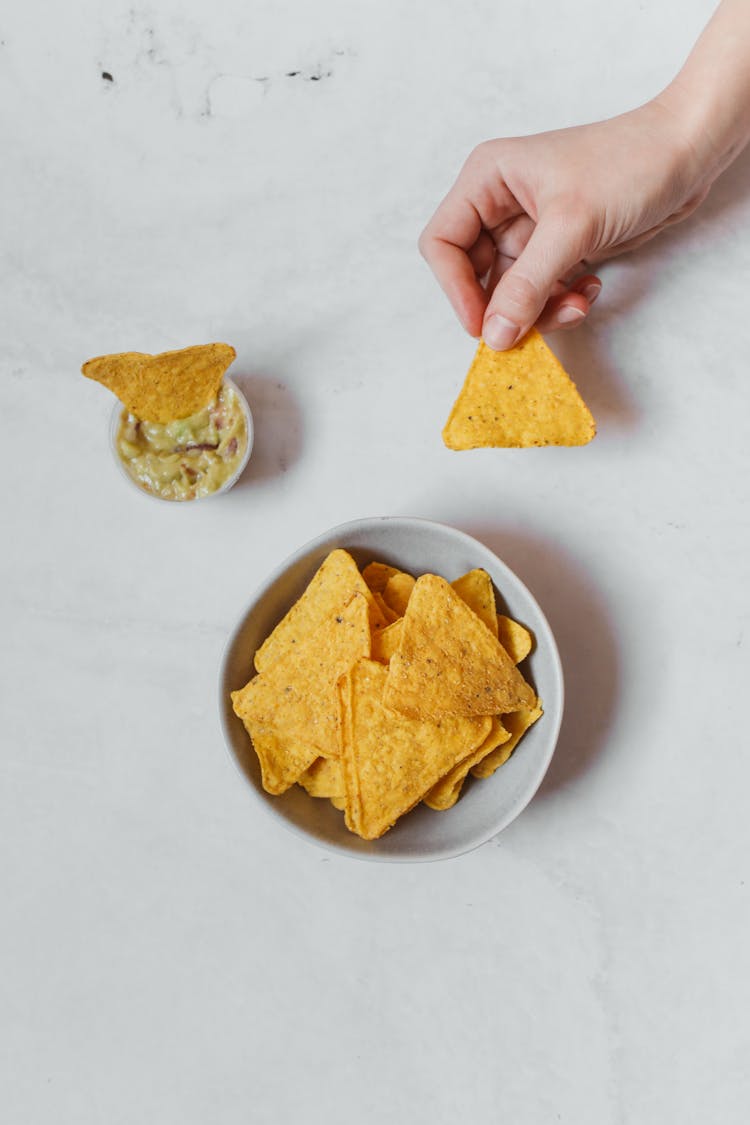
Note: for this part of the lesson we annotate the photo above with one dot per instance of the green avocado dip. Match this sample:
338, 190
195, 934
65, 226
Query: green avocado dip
190, 457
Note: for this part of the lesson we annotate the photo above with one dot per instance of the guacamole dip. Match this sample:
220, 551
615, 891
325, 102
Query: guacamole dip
188, 458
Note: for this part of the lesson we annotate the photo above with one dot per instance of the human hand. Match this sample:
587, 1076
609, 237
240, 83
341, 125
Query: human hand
512, 242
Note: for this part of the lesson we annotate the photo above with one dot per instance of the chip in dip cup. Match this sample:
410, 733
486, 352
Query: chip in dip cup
191, 458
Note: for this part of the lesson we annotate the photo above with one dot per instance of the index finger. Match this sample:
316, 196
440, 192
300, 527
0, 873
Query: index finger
460, 239
445, 244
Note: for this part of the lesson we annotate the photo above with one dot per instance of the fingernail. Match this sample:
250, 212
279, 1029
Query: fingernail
500, 333
568, 314
591, 292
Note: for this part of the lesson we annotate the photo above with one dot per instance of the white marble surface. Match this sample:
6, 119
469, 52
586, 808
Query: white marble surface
259, 172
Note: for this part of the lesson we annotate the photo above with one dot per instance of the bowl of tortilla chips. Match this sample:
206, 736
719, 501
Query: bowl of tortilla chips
392, 692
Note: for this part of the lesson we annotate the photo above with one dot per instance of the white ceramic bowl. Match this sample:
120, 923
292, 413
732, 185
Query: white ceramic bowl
484, 807
114, 425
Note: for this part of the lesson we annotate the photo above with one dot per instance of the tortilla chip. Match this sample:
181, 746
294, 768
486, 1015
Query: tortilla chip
517, 724
333, 586
389, 615
448, 661
282, 761
338, 803
475, 588
515, 639
518, 398
390, 762
323, 778
397, 592
165, 387
296, 695
385, 642
376, 574
447, 791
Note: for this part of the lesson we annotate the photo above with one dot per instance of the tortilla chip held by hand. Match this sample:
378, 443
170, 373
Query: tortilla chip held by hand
518, 398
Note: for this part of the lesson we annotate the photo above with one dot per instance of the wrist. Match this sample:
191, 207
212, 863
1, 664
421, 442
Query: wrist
708, 132
709, 100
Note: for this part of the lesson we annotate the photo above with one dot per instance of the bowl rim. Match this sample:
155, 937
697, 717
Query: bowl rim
555, 713
114, 424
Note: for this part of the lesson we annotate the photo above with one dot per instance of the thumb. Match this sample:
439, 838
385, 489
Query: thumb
520, 295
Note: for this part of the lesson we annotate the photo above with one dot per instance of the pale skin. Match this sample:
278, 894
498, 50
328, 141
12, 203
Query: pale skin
513, 242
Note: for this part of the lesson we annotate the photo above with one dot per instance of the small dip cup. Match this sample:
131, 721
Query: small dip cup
114, 426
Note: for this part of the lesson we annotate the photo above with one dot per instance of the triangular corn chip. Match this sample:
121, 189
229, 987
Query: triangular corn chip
296, 696
376, 574
282, 760
447, 791
323, 778
448, 661
475, 588
165, 387
333, 586
521, 397
389, 614
397, 592
515, 639
390, 762
516, 724
386, 641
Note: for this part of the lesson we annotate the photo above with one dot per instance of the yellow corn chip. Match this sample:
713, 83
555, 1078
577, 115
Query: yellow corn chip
282, 761
386, 641
389, 761
338, 803
516, 640
333, 586
296, 695
448, 661
397, 592
389, 615
475, 588
447, 791
521, 397
517, 724
376, 574
164, 387
323, 778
